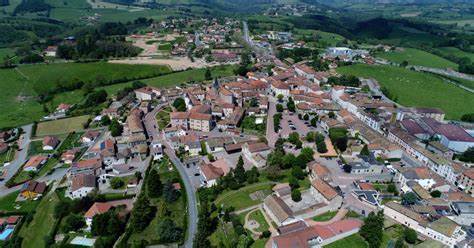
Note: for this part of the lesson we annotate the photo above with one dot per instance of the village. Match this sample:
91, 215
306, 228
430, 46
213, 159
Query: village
313, 151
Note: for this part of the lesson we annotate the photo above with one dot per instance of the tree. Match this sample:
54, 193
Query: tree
468, 155
293, 182
365, 151
372, 229
468, 117
280, 97
115, 128
105, 120
207, 74
321, 147
179, 104
142, 214
239, 172
287, 161
266, 234
252, 175
293, 138
116, 183
347, 168
297, 172
291, 105
311, 136
170, 194
168, 232
296, 195
400, 243
306, 117
435, 193
73, 222
404, 63
339, 138
410, 235
306, 155
409, 198
391, 188
314, 122
154, 186
279, 108
331, 115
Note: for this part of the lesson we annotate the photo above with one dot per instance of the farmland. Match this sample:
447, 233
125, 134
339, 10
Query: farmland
417, 89
21, 86
453, 51
62, 126
417, 57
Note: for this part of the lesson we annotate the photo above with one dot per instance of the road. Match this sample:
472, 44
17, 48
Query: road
271, 135
154, 134
20, 157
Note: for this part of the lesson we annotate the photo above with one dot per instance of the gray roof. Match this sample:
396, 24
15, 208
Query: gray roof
368, 195
463, 207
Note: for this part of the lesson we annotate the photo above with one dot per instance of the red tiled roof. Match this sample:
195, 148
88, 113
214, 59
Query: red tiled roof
325, 189
50, 141
200, 116
179, 115
35, 161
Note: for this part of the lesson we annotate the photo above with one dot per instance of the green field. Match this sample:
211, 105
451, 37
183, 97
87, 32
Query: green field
353, 241
453, 51
417, 89
240, 198
258, 217
417, 57
61, 126
7, 156
21, 86
163, 118
323, 39
42, 223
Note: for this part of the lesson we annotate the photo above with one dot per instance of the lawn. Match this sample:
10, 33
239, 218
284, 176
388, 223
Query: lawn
240, 198
36, 147
258, 217
165, 47
353, 241
20, 86
7, 156
71, 141
325, 216
417, 57
163, 118
259, 243
61, 126
7, 203
42, 223
417, 89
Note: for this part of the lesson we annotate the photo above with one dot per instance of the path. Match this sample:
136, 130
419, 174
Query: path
339, 216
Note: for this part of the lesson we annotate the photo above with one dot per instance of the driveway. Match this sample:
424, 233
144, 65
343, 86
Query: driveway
20, 158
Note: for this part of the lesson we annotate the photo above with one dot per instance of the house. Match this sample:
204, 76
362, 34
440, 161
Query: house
421, 175
90, 136
50, 143
464, 212
278, 211
322, 190
89, 166
4, 136
452, 136
280, 88
35, 163
317, 170
50, 51
156, 151
466, 181
256, 153
32, 189
213, 171
103, 207
68, 156
200, 122
134, 122
443, 229
300, 235
282, 189
369, 196
147, 93
305, 71
81, 185
179, 119
62, 108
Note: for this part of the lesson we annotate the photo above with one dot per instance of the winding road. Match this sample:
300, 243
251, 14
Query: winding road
155, 135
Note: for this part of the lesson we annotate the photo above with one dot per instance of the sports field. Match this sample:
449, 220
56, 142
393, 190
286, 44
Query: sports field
417, 89
417, 57
61, 126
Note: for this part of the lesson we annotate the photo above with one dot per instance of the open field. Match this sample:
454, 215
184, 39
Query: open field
20, 87
42, 223
61, 126
258, 217
323, 39
240, 198
417, 57
416, 89
453, 51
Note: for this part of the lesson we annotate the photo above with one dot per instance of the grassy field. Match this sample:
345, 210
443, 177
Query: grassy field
258, 217
61, 126
240, 198
20, 87
353, 241
416, 89
7, 203
325, 216
42, 223
7, 156
36, 147
417, 57
323, 39
447, 51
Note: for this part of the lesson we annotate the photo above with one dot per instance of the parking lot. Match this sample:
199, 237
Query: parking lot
290, 123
